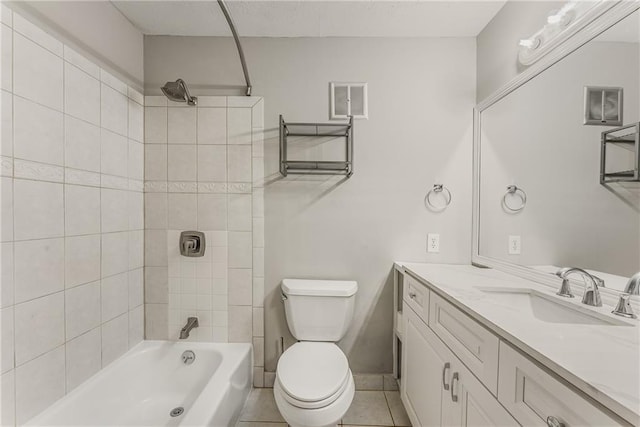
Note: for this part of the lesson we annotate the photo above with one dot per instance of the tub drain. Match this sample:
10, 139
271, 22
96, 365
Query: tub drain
176, 412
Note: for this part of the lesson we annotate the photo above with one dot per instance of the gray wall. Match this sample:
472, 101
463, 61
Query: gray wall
96, 29
421, 94
497, 43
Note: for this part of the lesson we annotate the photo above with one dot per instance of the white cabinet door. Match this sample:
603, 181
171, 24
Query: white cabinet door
532, 395
422, 379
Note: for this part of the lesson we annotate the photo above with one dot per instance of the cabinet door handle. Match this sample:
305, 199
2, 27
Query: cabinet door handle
554, 422
454, 397
444, 375
412, 295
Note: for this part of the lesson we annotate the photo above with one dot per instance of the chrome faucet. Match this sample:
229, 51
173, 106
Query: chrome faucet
591, 294
623, 308
192, 322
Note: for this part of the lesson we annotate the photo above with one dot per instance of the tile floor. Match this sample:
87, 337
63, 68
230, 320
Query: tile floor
369, 408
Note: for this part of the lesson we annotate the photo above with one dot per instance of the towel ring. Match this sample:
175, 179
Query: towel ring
514, 190
438, 188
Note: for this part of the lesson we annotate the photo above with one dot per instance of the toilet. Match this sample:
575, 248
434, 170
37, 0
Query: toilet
314, 386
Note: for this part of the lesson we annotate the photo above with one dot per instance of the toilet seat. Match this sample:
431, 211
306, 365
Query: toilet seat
312, 375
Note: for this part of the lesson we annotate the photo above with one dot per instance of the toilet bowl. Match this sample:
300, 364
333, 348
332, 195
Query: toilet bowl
314, 386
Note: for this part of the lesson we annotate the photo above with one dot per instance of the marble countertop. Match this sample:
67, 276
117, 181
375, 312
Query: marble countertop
603, 361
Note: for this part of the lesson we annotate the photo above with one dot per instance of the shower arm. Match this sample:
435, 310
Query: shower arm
226, 14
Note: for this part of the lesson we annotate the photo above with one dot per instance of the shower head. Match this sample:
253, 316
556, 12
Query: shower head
177, 91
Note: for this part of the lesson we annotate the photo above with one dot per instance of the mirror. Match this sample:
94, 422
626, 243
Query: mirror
535, 138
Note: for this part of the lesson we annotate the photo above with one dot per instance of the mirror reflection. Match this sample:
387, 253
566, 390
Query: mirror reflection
542, 203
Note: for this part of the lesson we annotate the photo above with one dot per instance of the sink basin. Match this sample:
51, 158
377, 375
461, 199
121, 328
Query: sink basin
547, 308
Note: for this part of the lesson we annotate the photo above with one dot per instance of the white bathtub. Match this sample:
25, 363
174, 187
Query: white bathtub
144, 385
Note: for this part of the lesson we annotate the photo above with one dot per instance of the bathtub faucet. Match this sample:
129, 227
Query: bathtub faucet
192, 322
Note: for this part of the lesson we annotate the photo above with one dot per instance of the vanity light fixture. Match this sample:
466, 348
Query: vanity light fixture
560, 26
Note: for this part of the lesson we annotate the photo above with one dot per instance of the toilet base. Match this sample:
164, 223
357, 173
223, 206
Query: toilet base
329, 416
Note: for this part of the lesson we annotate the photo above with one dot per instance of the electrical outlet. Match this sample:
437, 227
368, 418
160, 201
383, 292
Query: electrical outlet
433, 243
514, 245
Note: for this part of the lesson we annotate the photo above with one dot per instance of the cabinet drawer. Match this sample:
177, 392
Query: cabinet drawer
416, 295
474, 345
532, 395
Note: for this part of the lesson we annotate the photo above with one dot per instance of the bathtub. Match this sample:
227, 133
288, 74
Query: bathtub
143, 386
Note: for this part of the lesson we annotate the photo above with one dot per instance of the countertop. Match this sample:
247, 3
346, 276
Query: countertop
603, 361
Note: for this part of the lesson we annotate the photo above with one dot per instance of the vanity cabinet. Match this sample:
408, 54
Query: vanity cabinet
456, 372
438, 390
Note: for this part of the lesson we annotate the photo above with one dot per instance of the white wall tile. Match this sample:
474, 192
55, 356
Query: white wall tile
182, 211
136, 288
6, 58
240, 249
212, 212
155, 248
6, 275
239, 163
6, 124
114, 150
115, 210
81, 62
212, 163
39, 383
7, 392
136, 249
82, 210
136, 210
6, 340
240, 286
136, 325
115, 338
258, 291
257, 115
239, 217
182, 162
156, 321
134, 95
81, 145
136, 121
6, 209
37, 171
155, 125
240, 323
36, 34
38, 132
156, 101
39, 268
212, 126
155, 162
115, 296
37, 73
83, 358
156, 285
39, 326
258, 350
136, 160
113, 82
81, 95
113, 110
115, 253
155, 214
82, 259
82, 309
258, 321
181, 125
38, 209
239, 125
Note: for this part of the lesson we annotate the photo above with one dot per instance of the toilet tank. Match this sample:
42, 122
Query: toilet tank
318, 310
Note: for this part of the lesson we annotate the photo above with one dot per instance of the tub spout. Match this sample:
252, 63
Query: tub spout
192, 322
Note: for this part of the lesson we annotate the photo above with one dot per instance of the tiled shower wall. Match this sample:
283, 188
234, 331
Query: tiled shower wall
204, 171
72, 219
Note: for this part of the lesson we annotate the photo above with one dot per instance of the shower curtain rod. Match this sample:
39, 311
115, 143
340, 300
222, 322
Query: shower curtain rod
225, 11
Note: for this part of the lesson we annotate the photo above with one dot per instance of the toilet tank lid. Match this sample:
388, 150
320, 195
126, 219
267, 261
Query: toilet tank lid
336, 288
